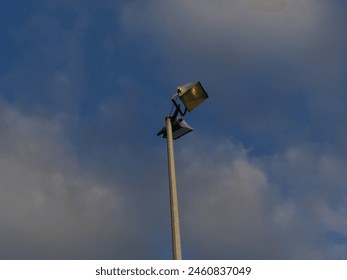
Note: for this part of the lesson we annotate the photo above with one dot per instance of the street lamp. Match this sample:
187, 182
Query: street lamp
191, 95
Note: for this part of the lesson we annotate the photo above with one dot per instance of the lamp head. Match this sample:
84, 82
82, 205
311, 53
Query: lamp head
179, 128
192, 95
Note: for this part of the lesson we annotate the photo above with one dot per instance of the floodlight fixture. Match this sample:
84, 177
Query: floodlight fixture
191, 95
179, 128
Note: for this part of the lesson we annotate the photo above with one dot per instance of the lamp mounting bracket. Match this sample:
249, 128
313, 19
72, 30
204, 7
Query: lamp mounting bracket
178, 109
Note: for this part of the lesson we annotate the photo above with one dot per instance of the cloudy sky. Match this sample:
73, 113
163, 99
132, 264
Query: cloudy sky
85, 86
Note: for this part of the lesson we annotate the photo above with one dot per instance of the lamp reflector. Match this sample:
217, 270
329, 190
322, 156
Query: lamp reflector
192, 95
179, 128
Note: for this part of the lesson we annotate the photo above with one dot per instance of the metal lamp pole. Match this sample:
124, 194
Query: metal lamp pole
175, 223
191, 95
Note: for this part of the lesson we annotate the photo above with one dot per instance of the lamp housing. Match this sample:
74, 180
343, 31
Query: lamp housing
179, 128
191, 95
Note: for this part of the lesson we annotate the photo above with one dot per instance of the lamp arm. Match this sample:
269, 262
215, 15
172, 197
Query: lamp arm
173, 117
178, 109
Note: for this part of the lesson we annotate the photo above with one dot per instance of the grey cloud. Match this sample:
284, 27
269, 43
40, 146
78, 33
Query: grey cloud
227, 209
312, 178
268, 5
50, 206
285, 206
206, 28
279, 72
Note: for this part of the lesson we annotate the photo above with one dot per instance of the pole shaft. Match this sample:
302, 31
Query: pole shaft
175, 224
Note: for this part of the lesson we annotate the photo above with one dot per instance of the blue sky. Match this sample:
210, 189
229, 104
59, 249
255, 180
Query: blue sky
85, 86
